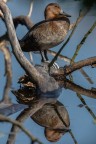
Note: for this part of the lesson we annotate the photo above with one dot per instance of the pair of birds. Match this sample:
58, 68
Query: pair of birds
47, 33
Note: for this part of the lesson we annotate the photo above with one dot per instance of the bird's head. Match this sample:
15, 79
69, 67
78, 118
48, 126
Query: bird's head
53, 10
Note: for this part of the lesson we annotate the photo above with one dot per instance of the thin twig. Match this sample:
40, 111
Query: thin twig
64, 58
87, 77
8, 72
29, 15
86, 106
82, 42
75, 141
64, 123
31, 9
6, 119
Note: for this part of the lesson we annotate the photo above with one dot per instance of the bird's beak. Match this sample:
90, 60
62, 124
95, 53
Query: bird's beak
65, 14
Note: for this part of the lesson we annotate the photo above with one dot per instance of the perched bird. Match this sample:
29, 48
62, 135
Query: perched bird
47, 33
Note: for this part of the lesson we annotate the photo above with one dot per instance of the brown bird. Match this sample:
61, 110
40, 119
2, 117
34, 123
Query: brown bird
47, 33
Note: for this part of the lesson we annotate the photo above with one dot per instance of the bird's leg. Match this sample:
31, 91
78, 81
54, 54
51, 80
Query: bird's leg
55, 65
43, 56
46, 60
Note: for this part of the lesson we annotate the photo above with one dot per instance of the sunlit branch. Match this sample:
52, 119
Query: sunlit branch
31, 9
1, 14
29, 15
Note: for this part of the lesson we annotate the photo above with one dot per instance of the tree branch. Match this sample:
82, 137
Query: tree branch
76, 88
23, 20
77, 65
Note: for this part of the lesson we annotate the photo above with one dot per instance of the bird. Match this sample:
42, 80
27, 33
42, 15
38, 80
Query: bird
47, 33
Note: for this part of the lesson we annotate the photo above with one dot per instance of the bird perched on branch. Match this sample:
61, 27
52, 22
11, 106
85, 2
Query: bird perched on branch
47, 33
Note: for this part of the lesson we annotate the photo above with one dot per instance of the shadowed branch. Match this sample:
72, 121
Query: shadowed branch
8, 73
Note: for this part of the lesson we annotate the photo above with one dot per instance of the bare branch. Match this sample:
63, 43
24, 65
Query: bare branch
87, 77
23, 20
77, 65
80, 64
31, 9
78, 89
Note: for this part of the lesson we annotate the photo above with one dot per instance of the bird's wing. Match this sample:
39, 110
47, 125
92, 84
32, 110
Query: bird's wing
43, 27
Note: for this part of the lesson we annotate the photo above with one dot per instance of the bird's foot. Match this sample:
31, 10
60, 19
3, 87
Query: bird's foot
46, 63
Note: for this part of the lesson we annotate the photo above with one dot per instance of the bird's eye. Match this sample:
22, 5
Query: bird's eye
56, 6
